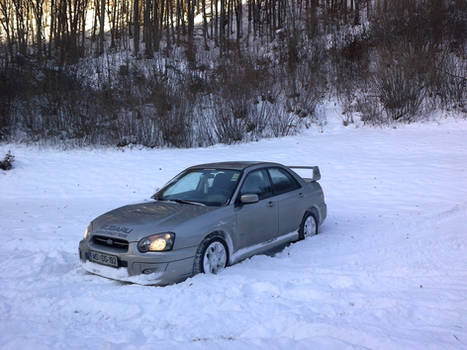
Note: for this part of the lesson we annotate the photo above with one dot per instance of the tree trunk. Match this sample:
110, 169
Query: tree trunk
101, 27
148, 40
136, 26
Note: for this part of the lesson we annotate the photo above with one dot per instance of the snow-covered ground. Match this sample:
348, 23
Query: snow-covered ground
387, 271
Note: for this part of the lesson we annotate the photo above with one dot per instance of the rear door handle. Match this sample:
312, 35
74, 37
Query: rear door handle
300, 195
270, 204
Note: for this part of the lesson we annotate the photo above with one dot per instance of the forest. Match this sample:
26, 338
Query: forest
188, 73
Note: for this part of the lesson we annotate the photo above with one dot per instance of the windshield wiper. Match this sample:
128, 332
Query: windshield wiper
187, 202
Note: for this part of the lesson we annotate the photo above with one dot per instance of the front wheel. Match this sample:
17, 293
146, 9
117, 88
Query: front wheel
308, 227
211, 257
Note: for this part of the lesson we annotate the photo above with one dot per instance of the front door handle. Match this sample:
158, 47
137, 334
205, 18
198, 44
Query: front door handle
270, 204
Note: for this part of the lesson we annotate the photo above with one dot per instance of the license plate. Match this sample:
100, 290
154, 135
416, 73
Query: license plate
104, 259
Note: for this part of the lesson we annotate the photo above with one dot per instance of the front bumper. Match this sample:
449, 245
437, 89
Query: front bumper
153, 268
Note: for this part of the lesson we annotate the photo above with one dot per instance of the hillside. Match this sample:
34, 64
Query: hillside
191, 73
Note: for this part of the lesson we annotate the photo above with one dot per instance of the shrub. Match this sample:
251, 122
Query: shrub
7, 162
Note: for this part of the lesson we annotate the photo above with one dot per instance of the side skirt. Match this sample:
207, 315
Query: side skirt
257, 248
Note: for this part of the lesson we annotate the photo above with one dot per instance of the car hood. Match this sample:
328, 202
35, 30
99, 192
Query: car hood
133, 222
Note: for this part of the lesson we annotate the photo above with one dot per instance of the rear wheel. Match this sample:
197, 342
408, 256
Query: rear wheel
211, 256
308, 227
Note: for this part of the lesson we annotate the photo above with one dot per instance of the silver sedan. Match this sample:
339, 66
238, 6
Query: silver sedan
206, 218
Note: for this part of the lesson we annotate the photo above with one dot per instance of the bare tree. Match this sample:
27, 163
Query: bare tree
101, 27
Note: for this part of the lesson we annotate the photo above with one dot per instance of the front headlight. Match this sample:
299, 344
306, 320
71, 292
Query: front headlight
157, 243
88, 229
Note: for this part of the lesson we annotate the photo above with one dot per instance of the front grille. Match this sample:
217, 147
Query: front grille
117, 243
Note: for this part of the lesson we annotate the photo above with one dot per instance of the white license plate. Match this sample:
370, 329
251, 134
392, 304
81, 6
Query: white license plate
104, 259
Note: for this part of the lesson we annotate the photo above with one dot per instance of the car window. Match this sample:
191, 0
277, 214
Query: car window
282, 181
257, 182
189, 182
207, 186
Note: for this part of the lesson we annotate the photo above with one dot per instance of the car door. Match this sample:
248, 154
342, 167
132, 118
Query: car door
289, 198
256, 222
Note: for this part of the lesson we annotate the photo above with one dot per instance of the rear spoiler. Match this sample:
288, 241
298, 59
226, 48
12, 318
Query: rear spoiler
316, 172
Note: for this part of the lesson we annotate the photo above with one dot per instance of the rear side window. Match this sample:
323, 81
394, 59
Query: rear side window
282, 181
257, 182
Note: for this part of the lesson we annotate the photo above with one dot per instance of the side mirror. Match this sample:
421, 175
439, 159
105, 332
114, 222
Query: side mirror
155, 195
249, 198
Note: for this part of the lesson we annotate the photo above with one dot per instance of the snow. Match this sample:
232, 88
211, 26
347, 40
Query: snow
387, 271
121, 274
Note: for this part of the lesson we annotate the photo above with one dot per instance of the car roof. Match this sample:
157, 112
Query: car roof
234, 165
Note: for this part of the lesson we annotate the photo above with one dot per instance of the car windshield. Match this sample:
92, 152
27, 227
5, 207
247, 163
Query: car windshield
212, 187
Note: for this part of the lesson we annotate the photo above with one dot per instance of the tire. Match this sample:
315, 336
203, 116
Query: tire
308, 226
214, 241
